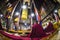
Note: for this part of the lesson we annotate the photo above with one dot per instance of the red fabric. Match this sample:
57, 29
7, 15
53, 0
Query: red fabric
35, 38
36, 34
49, 28
37, 31
11, 36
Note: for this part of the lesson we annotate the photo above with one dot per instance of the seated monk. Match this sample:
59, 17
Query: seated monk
49, 28
37, 31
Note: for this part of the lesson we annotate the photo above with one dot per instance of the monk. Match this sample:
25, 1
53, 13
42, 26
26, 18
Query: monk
1, 26
37, 31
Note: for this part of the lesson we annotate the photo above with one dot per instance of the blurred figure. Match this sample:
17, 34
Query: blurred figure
15, 24
37, 31
7, 23
0, 25
49, 27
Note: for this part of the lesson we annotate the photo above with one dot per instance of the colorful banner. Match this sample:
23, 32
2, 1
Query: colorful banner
24, 14
37, 15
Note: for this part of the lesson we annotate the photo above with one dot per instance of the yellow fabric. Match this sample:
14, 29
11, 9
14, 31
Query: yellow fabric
24, 14
59, 22
4, 38
55, 25
16, 19
8, 16
9, 9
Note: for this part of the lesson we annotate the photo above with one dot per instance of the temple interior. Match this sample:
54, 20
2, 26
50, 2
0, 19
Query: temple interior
29, 19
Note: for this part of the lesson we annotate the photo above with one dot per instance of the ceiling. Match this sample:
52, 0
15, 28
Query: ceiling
37, 2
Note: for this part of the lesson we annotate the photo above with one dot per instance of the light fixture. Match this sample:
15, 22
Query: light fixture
7, 0
17, 13
55, 11
32, 14
24, 6
58, 1
25, 23
1, 15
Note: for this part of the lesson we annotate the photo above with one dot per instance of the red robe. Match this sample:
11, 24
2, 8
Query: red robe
37, 31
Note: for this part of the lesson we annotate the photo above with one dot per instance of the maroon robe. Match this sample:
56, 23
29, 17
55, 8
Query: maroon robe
49, 28
37, 31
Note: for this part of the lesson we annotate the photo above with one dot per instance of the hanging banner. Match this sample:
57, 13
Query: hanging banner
24, 14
